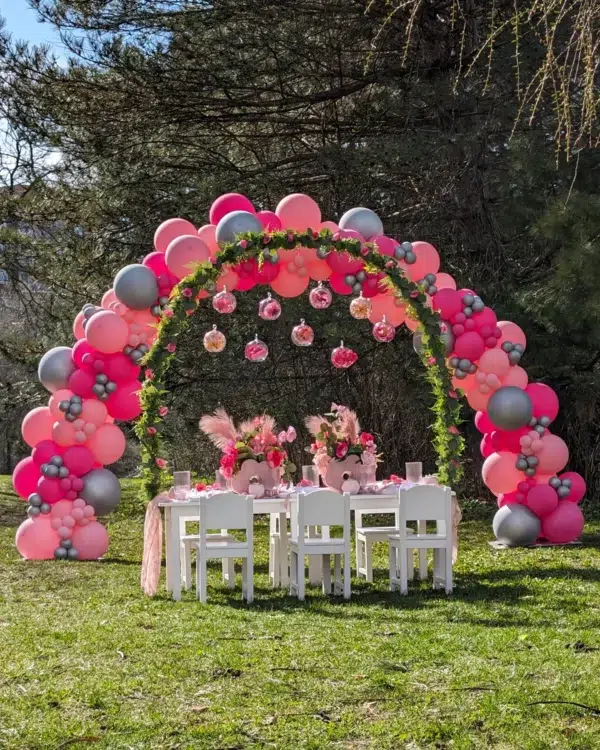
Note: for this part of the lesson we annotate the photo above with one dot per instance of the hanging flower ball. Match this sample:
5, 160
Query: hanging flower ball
384, 331
303, 334
224, 302
256, 350
269, 308
214, 341
343, 357
320, 297
360, 307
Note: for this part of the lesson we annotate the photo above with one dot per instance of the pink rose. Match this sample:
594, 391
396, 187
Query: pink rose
151, 430
266, 239
454, 430
189, 312
163, 411
366, 438
291, 434
341, 449
149, 374
187, 292
161, 463
171, 348
243, 244
282, 437
168, 313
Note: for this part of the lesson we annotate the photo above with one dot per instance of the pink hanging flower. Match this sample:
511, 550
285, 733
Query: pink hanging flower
187, 292
452, 394
267, 239
290, 237
171, 348
189, 312
161, 463
151, 431
282, 437
163, 411
168, 313
341, 449
366, 438
243, 244
454, 430
315, 235
431, 361
149, 374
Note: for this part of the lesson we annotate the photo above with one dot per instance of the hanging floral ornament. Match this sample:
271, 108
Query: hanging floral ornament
303, 334
214, 341
360, 307
343, 357
224, 302
384, 331
269, 308
256, 350
320, 297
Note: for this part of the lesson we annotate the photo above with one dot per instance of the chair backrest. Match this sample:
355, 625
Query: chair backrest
320, 508
226, 510
425, 502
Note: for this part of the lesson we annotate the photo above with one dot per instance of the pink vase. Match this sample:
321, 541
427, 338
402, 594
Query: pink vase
269, 478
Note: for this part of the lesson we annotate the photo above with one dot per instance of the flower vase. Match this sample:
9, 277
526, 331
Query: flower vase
269, 478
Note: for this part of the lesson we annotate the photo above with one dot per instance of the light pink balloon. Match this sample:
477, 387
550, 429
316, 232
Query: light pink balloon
61, 509
36, 539
270, 221
63, 433
109, 298
207, 234
428, 260
88, 511
64, 394
516, 376
511, 332
90, 541
37, 426
227, 203
477, 399
170, 230
77, 514
494, 361
64, 532
185, 254
107, 444
444, 281
78, 329
564, 525
331, 225
298, 212
554, 455
107, 332
500, 474
94, 411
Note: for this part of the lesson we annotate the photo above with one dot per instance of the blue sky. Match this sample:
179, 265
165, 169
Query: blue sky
22, 23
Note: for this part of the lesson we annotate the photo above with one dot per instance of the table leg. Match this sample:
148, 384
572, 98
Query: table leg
175, 559
283, 551
168, 571
315, 566
422, 529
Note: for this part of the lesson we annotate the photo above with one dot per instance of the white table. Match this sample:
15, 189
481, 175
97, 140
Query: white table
178, 513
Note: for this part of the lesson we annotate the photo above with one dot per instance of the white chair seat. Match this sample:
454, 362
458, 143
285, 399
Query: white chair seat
376, 531
225, 545
318, 542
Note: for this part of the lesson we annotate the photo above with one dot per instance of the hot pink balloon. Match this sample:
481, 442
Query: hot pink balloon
428, 259
267, 272
444, 281
554, 455
208, 235
78, 329
84, 354
37, 426
90, 541
81, 383
385, 245
270, 221
544, 400
485, 321
448, 302
516, 376
227, 203
289, 285
469, 346
483, 423
36, 539
107, 332
79, 459
494, 361
49, 490
510, 498
564, 525
124, 403
485, 446
156, 263
511, 332
542, 500
185, 253
170, 230
504, 440
44, 451
25, 477
298, 212
107, 444
63, 433
500, 474
578, 486
338, 285
120, 368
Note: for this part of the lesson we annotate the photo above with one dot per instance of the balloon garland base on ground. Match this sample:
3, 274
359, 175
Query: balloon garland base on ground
133, 333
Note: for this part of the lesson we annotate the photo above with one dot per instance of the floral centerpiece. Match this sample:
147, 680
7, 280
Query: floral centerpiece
254, 448
340, 447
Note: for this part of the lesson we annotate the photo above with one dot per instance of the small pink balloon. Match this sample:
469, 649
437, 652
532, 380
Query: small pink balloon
444, 281
85, 355
37, 426
64, 532
25, 477
107, 332
80, 437
500, 474
79, 503
89, 429
170, 230
511, 332
56, 523
77, 483
108, 444
516, 376
542, 500
227, 203
78, 424
88, 511
77, 514
298, 212
63, 433
109, 298
68, 521
78, 329
494, 361
578, 486
49, 490
564, 525
84, 522
36, 539
270, 221
90, 541
553, 456
185, 254
510, 498
61, 509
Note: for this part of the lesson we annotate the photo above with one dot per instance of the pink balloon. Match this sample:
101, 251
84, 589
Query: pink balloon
170, 230
504, 440
37, 426
94, 412
88, 511
107, 332
338, 285
511, 332
267, 272
120, 368
227, 203
469, 346
510, 498
84, 354
107, 444
124, 403
542, 500
288, 284
411, 323
516, 376
185, 254
564, 525
385, 245
494, 361
386, 304
25, 477
61, 509
544, 400
298, 212
483, 423
63, 433
90, 541
343, 263
208, 235
478, 400
156, 263
428, 260
554, 454
36, 539
53, 403
49, 490
444, 281
109, 298
318, 269
270, 221
77, 514
79, 459
448, 302
44, 451
485, 446
485, 321
78, 329
500, 474
81, 383
578, 486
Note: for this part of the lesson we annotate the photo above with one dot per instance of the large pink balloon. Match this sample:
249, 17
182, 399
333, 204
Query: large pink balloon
63, 433
554, 455
81, 383
170, 230
338, 285
54, 402
270, 221
483, 423
120, 368
485, 446
516, 376
44, 451
448, 302
185, 253
511, 332
124, 403
208, 235
542, 500
37, 426
385, 304
298, 212
508, 440
94, 412
428, 260
79, 459
107, 332
49, 490
385, 245
578, 486
36, 539
476, 399
107, 444
227, 203
500, 473
289, 284
90, 541
469, 346
494, 361
444, 281
564, 525
544, 400
228, 278
25, 477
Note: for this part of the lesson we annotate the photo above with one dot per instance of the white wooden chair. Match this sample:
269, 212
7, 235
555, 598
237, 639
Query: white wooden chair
189, 541
423, 503
226, 511
323, 508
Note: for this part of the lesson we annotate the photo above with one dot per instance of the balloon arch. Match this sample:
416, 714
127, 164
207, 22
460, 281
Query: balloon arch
133, 334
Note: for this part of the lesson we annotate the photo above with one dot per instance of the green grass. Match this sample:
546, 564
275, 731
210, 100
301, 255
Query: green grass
86, 660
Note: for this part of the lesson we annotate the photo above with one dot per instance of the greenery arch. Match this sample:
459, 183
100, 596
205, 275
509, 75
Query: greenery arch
263, 246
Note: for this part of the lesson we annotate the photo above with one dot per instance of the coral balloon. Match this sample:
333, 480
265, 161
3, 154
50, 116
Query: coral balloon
228, 203
94, 411
554, 455
485, 446
169, 230
36, 539
270, 221
44, 451
444, 281
25, 477
578, 486
564, 525
37, 426
469, 346
298, 212
542, 500
107, 332
109, 298
386, 304
516, 376
49, 490
228, 278
79, 459
448, 302
511, 332
500, 473
318, 269
185, 254
428, 260
107, 444
124, 403
54, 402
90, 541
289, 284
78, 329
208, 235
63, 433
494, 361
483, 423
81, 383
544, 400
477, 400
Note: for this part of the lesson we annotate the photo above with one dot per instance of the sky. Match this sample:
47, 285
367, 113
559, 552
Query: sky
23, 24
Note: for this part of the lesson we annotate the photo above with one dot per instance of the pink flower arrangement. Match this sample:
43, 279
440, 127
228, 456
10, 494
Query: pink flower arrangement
243, 244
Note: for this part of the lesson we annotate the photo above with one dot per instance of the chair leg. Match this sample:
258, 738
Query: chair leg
300, 574
293, 572
403, 570
327, 575
393, 569
448, 570
228, 569
337, 575
283, 551
410, 564
347, 575
369, 560
359, 556
423, 568
186, 565
274, 562
437, 568
201, 573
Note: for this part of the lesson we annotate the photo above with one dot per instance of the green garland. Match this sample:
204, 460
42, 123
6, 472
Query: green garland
264, 247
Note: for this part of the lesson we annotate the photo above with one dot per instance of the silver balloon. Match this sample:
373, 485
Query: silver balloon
60, 553
72, 554
66, 543
45, 508
32, 511
56, 367
478, 305
545, 421
63, 472
362, 220
554, 482
101, 490
516, 526
468, 300
136, 286
35, 499
509, 408
563, 491
56, 461
464, 364
235, 223
447, 337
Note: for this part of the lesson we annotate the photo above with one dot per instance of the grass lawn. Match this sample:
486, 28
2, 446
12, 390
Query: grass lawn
86, 660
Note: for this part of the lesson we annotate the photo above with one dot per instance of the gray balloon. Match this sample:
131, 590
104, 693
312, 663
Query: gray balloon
514, 357
509, 408
516, 526
545, 421
45, 508
66, 543
478, 305
460, 374
235, 223
56, 367
362, 220
101, 490
563, 491
555, 483
51, 471
63, 472
32, 511
566, 482
56, 461
35, 499
60, 553
464, 364
136, 286
468, 300
73, 554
